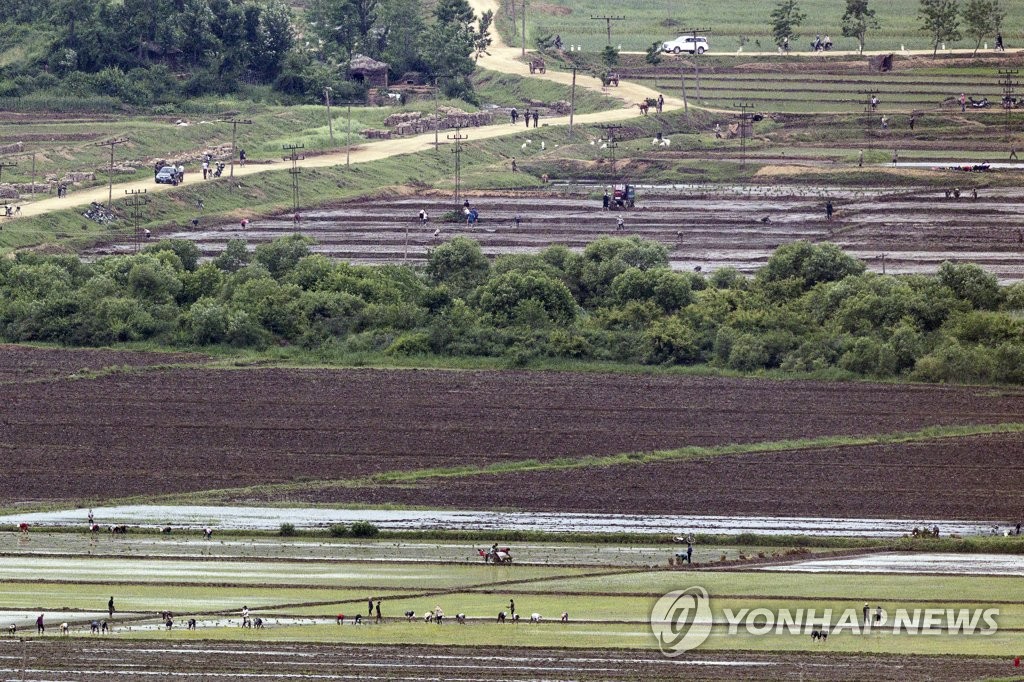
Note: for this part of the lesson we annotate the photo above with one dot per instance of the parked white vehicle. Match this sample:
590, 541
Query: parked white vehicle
689, 44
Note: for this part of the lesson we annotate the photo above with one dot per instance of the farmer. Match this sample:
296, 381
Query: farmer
606, 200
369, 606
867, 614
512, 607
515, 168
91, 518
423, 216
860, 160
620, 224
999, 41
536, 115
514, 115
963, 102
526, 117
829, 209
661, 102
874, 102
378, 611
110, 607
912, 121
689, 553
40, 627
878, 615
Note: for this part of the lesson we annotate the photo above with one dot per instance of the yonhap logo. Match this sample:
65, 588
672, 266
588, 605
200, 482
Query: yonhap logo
681, 620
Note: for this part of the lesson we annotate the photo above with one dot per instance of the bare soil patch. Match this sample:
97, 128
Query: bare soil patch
970, 478
189, 429
25, 363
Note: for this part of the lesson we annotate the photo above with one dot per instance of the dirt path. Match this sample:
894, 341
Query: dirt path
502, 59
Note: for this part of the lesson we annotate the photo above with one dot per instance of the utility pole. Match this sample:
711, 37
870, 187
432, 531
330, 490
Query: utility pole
1008, 79
572, 97
682, 80
330, 125
608, 20
111, 143
136, 200
457, 138
6, 164
746, 125
235, 122
524, 27
294, 157
33, 190
437, 118
696, 67
612, 144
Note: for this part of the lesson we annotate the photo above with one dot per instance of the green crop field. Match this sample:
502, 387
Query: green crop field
727, 21
299, 600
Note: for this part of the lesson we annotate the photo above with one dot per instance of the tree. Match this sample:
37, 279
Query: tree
941, 21
786, 18
857, 20
982, 18
610, 56
482, 37
460, 264
653, 56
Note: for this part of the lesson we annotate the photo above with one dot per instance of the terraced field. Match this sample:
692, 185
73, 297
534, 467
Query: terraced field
702, 226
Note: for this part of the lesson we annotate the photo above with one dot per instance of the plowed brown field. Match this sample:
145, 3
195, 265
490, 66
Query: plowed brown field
970, 478
190, 429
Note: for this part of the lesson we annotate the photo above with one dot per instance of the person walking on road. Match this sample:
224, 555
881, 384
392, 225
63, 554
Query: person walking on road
536, 115
526, 117
514, 115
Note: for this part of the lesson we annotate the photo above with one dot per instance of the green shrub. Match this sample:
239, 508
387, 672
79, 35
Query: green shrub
338, 530
364, 529
287, 530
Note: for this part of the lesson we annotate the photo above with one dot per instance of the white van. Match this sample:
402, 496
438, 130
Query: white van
698, 45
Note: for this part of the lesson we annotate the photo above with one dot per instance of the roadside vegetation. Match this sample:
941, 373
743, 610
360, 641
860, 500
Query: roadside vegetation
812, 309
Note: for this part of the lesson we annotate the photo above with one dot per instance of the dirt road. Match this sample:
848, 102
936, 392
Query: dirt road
502, 59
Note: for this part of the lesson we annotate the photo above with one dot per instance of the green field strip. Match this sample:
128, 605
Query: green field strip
582, 635
175, 573
134, 599
855, 586
412, 476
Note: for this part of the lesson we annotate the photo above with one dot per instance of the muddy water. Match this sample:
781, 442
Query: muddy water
270, 518
702, 226
951, 564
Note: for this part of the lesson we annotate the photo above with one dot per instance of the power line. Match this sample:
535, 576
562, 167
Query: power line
235, 122
572, 97
294, 157
696, 66
458, 138
746, 127
608, 20
111, 143
1008, 79
6, 164
611, 144
136, 200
